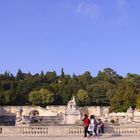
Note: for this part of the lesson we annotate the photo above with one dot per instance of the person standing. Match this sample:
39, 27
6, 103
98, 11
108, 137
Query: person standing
95, 125
86, 124
100, 126
91, 126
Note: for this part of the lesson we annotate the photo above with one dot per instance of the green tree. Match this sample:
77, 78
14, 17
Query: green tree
35, 98
98, 94
138, 102
46, 96
41, 97
109, 74
62, 73
20, 75
50, 77
123, 96
82, 97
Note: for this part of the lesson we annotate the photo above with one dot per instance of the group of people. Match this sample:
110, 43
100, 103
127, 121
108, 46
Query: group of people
91, 126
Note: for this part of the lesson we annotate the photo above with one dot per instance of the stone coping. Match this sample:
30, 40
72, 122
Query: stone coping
63, 130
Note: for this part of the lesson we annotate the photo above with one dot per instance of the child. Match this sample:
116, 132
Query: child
100, 126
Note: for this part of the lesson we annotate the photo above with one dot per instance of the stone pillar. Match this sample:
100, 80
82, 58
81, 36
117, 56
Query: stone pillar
72, 117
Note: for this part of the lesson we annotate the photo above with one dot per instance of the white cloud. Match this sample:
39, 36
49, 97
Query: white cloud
89, 9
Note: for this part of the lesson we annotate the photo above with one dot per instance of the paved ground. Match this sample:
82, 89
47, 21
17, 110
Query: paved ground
71, 138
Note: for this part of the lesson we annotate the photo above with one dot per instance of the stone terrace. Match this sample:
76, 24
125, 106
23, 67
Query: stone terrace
70, 138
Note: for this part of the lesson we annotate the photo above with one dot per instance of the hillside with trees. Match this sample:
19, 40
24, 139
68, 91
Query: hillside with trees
106, 89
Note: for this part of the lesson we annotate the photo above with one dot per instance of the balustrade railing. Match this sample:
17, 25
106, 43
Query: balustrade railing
75, 130
126, 130
34, 130
63, 130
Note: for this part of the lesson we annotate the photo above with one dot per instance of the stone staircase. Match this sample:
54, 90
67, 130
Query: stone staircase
48, 120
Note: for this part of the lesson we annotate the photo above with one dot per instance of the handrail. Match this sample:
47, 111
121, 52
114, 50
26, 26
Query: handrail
64, 130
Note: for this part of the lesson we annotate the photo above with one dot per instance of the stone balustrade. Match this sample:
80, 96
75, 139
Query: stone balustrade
126, 130
34, 130
65, 130
75, 130
42, 130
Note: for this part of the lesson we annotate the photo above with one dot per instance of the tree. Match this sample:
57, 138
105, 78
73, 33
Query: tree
82, 97
50, 77
41, 97
123, 96
84, 80
138, 102
108, 74
107, 88
20, 75
62, 73
35, 98
2, 98
98, 93
46, 96
134, 79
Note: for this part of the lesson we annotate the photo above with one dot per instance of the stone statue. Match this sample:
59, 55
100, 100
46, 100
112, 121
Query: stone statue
72, 114
20, 119
130, 114
71, 106
19, 114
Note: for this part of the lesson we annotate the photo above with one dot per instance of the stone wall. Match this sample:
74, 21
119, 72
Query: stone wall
11, 110
69, 116
57, 109
51, 110
63, 130
97, 110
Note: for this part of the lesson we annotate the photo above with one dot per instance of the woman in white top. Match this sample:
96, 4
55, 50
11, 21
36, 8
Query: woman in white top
92, 126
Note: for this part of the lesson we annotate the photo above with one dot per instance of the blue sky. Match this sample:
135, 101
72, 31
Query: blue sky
78, 35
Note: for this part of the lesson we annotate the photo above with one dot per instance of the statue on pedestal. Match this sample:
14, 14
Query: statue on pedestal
130, 114
19, 114
72, 114
20, 119
71, 106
